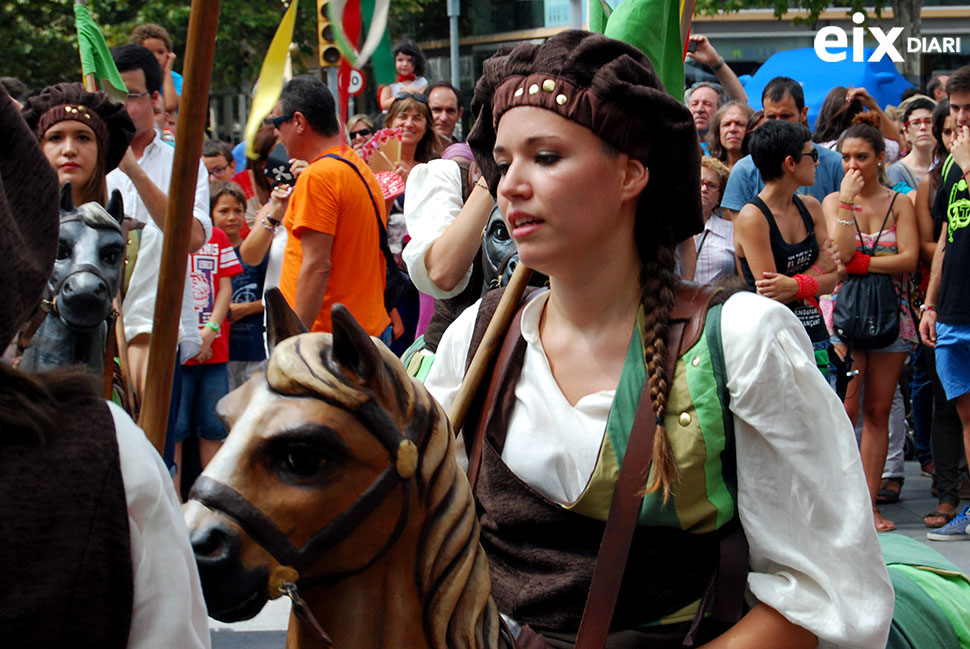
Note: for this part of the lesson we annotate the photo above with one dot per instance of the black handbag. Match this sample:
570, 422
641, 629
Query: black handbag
397, 281
866, 313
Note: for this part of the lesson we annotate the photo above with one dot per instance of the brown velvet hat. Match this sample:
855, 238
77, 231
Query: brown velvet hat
611, 88
29, 219
70, 101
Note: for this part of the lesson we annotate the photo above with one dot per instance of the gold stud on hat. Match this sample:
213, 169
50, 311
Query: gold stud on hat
548, 85
561, 99
534, 88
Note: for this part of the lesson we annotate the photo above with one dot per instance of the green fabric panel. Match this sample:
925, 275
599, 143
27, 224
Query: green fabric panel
703, 385
822, 361
597, 17
695, 511
897, 548
653, 26
950, 593
917, 617
597, 497
381, 60
627, 396
712, 332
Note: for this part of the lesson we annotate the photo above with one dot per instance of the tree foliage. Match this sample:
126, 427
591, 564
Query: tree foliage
814, 7
40, 42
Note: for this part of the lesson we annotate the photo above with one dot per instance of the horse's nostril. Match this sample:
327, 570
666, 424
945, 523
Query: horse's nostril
214, 543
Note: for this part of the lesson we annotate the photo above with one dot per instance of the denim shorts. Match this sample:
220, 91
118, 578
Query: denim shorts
202, 387
953, 358
896, 346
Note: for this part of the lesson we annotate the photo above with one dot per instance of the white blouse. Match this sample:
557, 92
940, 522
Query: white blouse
432, 201
802, 496
168, 609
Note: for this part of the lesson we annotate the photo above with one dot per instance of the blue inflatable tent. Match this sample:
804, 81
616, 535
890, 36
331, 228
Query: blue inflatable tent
880, 79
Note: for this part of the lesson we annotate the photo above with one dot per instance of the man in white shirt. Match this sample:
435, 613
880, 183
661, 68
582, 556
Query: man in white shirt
143, 178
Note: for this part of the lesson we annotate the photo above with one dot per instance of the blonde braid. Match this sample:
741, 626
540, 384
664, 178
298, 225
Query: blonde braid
658, 282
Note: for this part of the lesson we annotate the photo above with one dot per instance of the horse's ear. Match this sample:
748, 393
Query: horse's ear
281, 321
67, 198
116, 206
352, 347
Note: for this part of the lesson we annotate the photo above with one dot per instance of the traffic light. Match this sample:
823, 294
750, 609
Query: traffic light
329, 52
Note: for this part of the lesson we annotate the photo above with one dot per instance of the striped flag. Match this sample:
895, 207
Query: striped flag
659, 28
95, 56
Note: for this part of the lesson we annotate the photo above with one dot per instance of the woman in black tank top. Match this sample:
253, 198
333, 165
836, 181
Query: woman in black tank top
777, 235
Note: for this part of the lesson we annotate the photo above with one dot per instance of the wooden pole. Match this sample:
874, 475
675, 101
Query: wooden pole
491, 341
194, 105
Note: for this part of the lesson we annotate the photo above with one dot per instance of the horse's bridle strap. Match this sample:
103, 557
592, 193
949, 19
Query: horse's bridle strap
226, 500
222, 498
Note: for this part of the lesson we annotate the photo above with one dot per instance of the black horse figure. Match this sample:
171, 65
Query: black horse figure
87, 275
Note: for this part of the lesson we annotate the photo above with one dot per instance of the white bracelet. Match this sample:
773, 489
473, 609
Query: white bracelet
267, 225
844, 222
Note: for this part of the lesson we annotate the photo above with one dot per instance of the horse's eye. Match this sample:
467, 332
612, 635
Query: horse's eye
63, 251
303, 461
111, 256
500, 232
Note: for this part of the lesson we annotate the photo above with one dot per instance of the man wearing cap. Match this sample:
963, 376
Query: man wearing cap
333, 252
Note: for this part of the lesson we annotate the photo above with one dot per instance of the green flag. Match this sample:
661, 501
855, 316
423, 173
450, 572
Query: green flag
652, 26
95, 56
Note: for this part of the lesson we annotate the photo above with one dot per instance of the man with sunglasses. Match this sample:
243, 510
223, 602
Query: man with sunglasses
784, 100
334, 218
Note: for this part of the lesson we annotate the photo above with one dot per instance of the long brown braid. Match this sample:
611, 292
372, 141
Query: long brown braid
658, 281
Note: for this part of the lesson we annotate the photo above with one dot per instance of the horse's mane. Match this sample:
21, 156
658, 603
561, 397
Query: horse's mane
95, 216
451, 569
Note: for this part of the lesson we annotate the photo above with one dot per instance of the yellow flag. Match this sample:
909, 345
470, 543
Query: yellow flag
270, 82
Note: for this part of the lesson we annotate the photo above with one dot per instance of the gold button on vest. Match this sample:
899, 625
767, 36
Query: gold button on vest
684, 419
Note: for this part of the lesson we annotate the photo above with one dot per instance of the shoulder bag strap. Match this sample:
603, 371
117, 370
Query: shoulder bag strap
388, 257
872, 251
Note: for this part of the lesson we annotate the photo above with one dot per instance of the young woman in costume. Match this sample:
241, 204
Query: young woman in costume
863, 204
83, 134
596, 169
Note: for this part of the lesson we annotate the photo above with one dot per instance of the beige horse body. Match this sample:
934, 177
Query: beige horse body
303, 448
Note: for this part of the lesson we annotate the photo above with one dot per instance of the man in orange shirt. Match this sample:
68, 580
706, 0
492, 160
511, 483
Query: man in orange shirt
333, 252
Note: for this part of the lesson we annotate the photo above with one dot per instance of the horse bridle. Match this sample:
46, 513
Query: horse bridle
221, 498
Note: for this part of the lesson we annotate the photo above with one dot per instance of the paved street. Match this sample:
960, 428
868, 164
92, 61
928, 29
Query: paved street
268, 629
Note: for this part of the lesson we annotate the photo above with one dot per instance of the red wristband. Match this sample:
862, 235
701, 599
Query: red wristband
859, 264
807, 286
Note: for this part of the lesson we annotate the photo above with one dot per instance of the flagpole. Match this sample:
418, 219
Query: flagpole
199, 52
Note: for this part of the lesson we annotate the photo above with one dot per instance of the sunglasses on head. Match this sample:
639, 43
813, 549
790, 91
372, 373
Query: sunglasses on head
417, 96
364, 132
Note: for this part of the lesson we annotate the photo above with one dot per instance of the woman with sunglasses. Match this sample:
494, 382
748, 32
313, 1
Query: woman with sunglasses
866, 212
359, 129
781, 239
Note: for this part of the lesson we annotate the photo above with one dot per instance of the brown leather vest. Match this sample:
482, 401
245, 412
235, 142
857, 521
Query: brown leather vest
65, 555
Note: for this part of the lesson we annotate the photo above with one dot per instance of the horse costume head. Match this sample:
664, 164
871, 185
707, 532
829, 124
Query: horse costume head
85, 279
339, 476
90, 259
